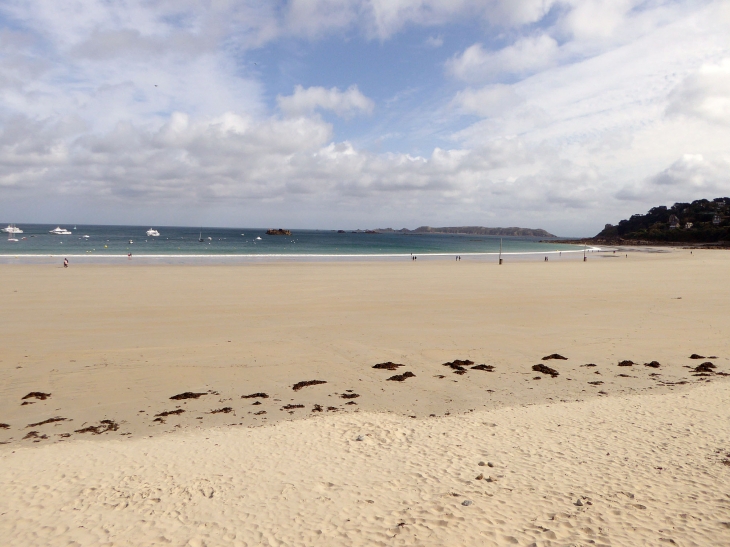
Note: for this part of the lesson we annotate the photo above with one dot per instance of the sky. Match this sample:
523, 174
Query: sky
328, 114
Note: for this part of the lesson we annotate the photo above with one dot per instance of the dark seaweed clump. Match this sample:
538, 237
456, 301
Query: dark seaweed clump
37, 395
289, 407
170, 412
187, 395
388, 366
401, 377
626, 363
705, 367
695, 356
317, 408
554, 356
488, 368
224, 410
349, 396
34, 435
458, 365
653, 364
4, 426
103, 427
545, 370
300, 385
48, 421
255, 396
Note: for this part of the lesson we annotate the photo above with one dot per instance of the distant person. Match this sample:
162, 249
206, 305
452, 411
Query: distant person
65, 262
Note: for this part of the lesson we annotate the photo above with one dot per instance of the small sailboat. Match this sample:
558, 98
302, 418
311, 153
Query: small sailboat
200, 237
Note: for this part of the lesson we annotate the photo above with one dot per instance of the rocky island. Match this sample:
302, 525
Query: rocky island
278, 232
472, 230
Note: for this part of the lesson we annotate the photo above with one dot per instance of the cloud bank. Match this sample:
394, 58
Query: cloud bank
561, 115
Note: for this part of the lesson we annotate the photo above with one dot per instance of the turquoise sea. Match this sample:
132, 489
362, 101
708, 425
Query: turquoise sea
175, 242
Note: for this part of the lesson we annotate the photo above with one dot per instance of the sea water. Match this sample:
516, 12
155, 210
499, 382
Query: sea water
184, 242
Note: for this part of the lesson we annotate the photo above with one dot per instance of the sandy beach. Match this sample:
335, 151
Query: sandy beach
147, 405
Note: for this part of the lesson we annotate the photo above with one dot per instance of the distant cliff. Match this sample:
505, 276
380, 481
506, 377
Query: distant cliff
474, 230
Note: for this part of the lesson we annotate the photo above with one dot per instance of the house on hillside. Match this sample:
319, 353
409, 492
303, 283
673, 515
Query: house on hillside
716, 219
673, 222
688, 225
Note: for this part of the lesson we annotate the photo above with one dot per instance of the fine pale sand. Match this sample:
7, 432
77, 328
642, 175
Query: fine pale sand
644, 448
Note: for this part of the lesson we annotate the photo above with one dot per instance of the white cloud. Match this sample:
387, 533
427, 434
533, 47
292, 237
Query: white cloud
694, 172
435, 41
525, 56
381, 19
704, 94
343, 103
491, 100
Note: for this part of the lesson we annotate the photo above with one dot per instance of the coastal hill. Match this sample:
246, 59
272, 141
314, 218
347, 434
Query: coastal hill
702, 221
473, 230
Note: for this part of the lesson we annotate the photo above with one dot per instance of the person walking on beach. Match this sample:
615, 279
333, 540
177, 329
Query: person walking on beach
65, 262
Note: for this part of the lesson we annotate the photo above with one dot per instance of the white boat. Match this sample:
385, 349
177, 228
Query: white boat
12, 229
153, 233
59, 232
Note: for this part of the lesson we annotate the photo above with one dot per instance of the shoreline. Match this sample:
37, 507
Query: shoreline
297, 255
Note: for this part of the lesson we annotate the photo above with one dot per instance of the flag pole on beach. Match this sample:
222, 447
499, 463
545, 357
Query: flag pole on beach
500, 250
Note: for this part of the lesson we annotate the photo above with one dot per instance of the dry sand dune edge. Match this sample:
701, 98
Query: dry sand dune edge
625, 470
